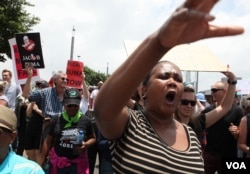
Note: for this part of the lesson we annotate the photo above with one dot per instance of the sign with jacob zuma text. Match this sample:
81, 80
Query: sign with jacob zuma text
74, 73
30, 50
20, 73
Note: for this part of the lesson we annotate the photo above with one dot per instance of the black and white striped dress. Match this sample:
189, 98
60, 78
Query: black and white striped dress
140, 150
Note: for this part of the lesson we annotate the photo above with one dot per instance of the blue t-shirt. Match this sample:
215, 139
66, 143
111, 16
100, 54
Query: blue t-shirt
16, 164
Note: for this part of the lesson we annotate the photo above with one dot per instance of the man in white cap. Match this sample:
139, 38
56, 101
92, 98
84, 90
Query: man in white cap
10, 162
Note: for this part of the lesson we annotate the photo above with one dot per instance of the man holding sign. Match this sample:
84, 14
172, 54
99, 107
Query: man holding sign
50, 99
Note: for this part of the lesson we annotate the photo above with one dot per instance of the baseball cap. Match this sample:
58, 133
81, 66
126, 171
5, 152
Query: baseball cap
245, 102
8, 118
72, 96
201, 97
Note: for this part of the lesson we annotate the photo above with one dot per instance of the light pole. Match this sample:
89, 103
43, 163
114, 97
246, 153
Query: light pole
107, 73
72, 43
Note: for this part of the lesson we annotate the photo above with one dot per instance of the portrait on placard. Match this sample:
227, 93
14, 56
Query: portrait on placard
20, 74
30, 50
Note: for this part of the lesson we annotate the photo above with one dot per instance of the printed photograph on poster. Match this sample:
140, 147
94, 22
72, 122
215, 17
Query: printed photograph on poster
30, 49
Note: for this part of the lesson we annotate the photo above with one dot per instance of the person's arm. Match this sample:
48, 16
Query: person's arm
29, 109
234, 130
45, 150
189, 23
91, 140
91, 99
85, 91
242, 137
226, 104
27, 87
33, 107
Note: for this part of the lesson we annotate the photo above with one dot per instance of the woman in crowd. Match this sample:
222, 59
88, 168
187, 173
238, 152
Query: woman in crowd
67, 151
152, 141
34, 126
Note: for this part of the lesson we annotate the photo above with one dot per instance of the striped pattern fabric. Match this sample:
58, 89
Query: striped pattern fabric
48, 100
140, 150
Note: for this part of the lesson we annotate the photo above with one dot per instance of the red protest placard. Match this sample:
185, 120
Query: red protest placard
74, 72
20, 73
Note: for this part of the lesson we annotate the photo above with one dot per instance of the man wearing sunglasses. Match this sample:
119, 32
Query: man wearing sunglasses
186, 108
222, 136
50, 99
10, 162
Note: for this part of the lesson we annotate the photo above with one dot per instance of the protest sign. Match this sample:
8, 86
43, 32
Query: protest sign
74, 73
189, 57
19, 73
30, 50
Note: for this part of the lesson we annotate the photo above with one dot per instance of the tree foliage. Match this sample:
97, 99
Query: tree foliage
92, 77
13, 19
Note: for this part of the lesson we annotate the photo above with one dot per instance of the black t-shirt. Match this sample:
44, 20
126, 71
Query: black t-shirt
35, 123
64, 138
198, 125
219, 140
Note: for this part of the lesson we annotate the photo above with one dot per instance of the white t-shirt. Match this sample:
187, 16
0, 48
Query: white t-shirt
93, 96
84, 105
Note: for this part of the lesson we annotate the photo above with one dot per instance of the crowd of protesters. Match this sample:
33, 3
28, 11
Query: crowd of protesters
141, 120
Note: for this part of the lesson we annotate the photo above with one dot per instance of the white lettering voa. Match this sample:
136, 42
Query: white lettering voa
236, 165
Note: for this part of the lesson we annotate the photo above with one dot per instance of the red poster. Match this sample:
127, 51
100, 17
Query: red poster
74, 72
21, 73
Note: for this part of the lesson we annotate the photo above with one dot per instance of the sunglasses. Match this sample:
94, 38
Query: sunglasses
71, 106
64, 79
214, 90
186, 102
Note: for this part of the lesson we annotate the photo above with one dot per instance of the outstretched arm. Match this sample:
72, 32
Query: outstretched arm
226, 104
189, 23
85, 91
27, 86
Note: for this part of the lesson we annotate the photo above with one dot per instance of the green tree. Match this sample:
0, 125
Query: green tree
92, 77
13, 19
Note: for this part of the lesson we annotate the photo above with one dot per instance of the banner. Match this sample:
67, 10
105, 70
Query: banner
30, 49
74, 73
20, 73
189, 57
